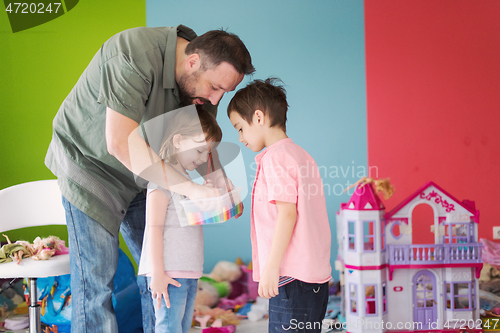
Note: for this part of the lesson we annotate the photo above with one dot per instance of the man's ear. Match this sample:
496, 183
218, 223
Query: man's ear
193, 63
258, 118
176, 140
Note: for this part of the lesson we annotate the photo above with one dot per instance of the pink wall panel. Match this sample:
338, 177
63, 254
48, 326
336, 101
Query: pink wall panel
433, 99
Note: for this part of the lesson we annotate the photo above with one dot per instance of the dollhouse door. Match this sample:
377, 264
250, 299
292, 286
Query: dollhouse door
424, 300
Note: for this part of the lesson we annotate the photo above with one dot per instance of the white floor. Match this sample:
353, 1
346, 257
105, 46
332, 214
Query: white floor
245, 326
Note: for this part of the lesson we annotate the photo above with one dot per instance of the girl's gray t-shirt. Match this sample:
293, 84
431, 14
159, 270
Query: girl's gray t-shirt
182, 246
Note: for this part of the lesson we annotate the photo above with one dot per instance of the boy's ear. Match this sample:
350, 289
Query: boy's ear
176, 140
193, 63
258, 118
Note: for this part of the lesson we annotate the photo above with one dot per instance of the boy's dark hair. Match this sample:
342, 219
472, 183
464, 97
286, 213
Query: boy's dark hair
216, 46
269, 96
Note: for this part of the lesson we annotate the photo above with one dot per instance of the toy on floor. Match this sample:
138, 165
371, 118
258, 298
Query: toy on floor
223, 329
207, 294
206, 316
217, 283
225, 271
259, 309
245, 284
384, 264
234, 304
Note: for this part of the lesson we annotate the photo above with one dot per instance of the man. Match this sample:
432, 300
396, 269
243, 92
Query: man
96, 149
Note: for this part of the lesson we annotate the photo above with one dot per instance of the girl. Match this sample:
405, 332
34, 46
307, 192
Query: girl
172, 256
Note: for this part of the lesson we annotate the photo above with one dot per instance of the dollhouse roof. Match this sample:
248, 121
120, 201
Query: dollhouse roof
364, 198
468, 205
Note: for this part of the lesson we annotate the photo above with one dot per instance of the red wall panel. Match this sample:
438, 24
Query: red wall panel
433, 99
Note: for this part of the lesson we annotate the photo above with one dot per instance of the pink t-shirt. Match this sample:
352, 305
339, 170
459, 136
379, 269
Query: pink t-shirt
286, 172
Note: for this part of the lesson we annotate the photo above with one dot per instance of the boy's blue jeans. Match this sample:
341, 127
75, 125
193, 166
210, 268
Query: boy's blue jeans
93, 261
177, 318
299, 307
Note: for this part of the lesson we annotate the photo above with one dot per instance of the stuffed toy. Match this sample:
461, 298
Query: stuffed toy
226, 271
207, 294
41, 249
217, 284
206, 316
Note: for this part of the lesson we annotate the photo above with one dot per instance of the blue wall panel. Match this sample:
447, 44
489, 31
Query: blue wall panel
317, 49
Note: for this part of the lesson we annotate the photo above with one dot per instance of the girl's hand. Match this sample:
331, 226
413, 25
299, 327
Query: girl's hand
159, 287
202, 191
268, 285
208, 183
224, 183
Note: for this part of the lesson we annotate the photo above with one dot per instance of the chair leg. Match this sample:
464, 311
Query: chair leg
34, 308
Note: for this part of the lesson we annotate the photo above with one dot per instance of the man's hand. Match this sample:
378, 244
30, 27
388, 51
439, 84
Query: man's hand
159, 287
268, 285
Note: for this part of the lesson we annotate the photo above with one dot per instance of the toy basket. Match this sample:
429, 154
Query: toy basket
212, 210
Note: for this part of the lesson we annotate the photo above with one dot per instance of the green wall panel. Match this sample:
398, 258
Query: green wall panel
39, 67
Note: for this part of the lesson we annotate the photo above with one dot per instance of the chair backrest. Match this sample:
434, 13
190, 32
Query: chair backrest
31, 204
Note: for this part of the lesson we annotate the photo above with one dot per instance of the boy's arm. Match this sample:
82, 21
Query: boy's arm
285, 223
157, 203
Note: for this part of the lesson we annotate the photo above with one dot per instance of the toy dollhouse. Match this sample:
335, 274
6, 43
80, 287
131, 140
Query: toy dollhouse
391, 283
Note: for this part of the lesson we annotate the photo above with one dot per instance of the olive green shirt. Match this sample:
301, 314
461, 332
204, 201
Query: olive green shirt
133, 73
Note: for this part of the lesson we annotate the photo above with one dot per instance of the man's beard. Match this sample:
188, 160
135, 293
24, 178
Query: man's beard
187, 93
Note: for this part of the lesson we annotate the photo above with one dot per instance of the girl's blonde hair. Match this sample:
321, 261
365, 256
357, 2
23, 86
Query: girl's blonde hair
187, 124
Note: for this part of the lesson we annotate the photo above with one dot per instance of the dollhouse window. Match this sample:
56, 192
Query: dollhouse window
396, 230
371, 299
351, 235
382, 235
458, 233
473, 295
448, 295
353, 298
369, 236
384, 298
460, 296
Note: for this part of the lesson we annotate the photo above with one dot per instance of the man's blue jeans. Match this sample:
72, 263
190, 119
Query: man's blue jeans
177, 318
93, 261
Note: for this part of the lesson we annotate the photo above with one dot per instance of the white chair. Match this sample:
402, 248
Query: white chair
29, 205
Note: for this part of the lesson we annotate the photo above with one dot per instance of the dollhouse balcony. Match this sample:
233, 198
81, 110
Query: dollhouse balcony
435, 255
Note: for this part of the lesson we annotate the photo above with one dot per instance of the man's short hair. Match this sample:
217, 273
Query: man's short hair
269, 96
216, 46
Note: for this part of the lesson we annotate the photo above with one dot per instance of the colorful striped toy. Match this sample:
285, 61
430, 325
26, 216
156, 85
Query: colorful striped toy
214, 216
223, 208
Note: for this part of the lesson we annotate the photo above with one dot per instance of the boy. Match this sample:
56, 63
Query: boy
290, 232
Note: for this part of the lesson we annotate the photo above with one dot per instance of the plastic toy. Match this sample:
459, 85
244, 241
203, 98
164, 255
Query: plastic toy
213, 210
41, 249
392, 284
259, 309
250, 286
234, 304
